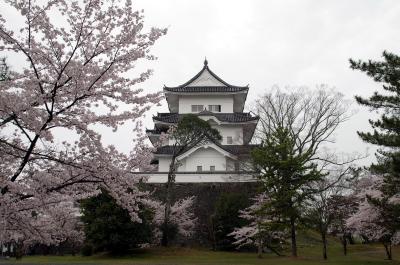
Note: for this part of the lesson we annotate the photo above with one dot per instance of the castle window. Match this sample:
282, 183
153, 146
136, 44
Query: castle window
197, 108
214, 108
212, 168
199, 168
229, 140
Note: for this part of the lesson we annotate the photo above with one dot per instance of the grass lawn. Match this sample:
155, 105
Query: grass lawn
309, 253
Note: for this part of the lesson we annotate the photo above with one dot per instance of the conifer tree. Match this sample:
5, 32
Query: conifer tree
386, 131
295, 125
386, 134
286, 177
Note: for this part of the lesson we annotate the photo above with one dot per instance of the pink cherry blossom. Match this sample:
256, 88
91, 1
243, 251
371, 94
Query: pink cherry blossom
76, 76
182, 216
256, 231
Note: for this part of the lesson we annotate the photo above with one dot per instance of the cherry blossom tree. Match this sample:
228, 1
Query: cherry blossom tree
323, 210
60, 224
342, 207
376, 222
75, 77
181, 216
262, 228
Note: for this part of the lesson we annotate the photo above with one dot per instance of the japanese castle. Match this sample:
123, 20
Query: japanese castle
222, 105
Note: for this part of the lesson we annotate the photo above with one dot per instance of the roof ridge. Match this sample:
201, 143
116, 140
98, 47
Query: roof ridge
205, 67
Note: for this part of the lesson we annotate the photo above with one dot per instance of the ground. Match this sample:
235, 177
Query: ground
358, 255
309, 254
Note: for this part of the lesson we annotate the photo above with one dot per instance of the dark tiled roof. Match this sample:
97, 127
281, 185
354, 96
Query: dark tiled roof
239, 149
165, 150
223, 117
233, 149
206, 89
156, 131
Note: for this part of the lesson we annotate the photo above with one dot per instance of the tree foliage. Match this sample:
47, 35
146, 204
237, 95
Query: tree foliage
75, 77
189, 132
4, 69
286, 177
108, 226
226, 218
294, 127
375, 218
386, 129
328, 209
385, 134
262, 228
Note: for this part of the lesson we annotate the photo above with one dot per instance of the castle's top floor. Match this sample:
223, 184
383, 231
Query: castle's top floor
206, 92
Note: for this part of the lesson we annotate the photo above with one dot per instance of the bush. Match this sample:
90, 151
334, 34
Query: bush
108, 227
170, 230
87, 250
226, 218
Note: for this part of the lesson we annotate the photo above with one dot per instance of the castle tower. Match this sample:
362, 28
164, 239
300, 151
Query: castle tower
222, 105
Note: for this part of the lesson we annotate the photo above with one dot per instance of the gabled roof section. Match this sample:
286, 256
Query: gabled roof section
237, 117
235, 150
206, 81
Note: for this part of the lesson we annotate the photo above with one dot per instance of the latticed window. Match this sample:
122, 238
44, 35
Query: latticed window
197, 108
214, 108
229, 140
199, 168
212, 168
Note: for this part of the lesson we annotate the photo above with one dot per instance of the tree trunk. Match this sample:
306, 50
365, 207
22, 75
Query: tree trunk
168, 202
260, 248
388, 249
344, 243
324, 243
212, 233
293, 236
350, 238
19, 250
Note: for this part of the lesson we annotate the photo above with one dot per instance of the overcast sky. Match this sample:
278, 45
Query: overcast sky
265, 43
286, 43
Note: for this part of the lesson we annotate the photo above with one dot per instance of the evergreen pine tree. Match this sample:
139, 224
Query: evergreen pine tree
386, 134
286, 177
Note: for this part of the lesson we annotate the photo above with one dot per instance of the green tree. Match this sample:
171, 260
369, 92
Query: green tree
293, 127
226, 218
386, 129
286, 178
108, 227
190, 131
385, 134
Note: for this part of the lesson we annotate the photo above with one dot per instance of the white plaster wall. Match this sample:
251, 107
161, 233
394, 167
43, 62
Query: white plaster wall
199, 178
235, 131
206, 157
186, 102
163, 164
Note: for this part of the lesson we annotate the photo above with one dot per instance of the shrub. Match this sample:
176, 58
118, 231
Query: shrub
87, 250
108, 227
226, 218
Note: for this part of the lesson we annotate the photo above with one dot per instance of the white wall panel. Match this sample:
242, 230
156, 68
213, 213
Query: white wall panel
186, 102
